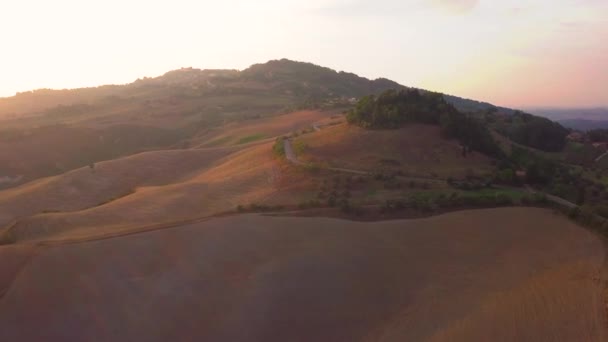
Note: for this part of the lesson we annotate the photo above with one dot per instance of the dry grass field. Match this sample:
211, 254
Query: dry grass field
512, 274
45, 151
84, 188
251, 130
241, 177
415, 149
155, 187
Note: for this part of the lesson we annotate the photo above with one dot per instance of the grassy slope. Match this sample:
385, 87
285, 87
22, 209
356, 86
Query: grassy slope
514, 274
415, 149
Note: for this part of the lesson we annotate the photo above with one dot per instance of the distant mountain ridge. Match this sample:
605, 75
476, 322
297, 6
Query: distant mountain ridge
593, 114
299, 82
584, 124
582, 119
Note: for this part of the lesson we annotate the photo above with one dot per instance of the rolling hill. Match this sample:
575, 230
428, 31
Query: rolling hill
132, 212
180, 109
262, 88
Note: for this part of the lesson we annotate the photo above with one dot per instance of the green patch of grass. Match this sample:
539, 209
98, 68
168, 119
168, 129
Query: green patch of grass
512, 193
371, 192
279, 147
480, 197
574, 146
7, 236
218, 142
259, 208
251, 138
299, 147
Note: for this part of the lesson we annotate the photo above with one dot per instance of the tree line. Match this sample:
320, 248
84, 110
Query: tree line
395, 108
534, 131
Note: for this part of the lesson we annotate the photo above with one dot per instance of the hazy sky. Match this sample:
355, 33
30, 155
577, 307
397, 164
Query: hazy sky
510, 52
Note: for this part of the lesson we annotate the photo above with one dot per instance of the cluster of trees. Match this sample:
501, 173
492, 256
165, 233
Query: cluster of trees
279, 147
259, 208
551, 176
395, 108
534, 131
598, 135
429, 202
538, 169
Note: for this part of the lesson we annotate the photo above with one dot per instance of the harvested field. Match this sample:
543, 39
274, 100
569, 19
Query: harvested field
241, 177
512, 274
85, 187
30, 154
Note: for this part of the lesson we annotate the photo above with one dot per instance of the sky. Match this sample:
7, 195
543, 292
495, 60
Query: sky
515, 53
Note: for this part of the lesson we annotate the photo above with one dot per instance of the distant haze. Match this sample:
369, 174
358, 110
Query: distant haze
508, 52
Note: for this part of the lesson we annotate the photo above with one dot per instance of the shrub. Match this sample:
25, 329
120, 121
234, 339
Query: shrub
604, 227
345, 206
312, 168
392, 205
539, 199
331, 201
254, 207
279, 147
502, 199
601, 210
574, 213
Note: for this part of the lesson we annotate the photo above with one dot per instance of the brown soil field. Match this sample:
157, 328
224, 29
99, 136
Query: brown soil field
511, 274
416, 149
